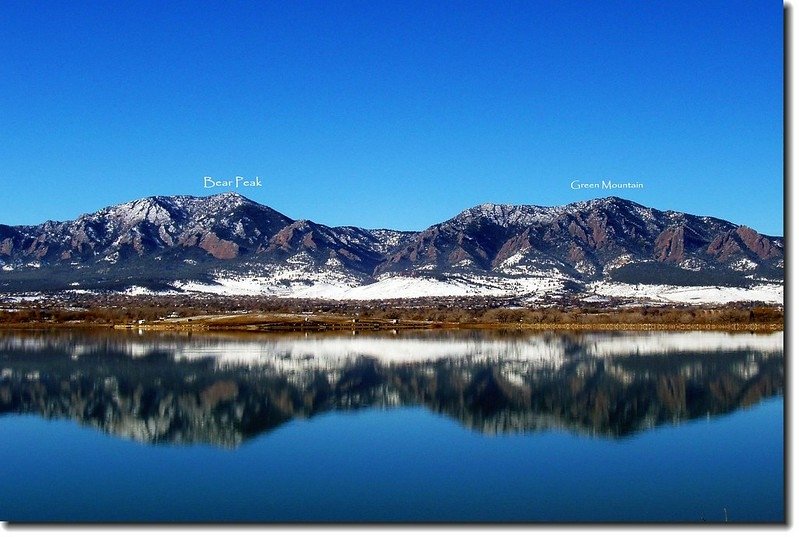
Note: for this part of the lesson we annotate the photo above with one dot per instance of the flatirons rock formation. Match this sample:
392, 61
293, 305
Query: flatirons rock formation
227, 243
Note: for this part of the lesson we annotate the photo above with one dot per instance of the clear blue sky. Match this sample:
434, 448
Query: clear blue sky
393, 113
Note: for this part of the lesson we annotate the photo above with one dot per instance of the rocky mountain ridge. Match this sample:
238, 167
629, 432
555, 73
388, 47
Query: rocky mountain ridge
176, 242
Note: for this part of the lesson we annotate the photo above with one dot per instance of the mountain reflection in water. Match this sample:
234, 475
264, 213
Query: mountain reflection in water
222, 390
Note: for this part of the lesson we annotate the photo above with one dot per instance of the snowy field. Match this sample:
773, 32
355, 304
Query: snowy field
675, 294
538, 289
534, 289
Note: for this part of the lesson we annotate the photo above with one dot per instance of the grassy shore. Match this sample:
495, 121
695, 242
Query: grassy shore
264, 314
311, 322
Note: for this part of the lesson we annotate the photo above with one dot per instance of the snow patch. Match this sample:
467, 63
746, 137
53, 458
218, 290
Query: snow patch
513, 260
619, 262
136, 290
672, 294
692, 264
743, 265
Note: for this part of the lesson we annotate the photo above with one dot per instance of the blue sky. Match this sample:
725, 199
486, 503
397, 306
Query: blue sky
393, 114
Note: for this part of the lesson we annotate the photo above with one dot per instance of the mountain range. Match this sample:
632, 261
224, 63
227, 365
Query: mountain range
226, 243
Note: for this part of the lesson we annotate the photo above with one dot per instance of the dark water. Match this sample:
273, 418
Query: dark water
421, 427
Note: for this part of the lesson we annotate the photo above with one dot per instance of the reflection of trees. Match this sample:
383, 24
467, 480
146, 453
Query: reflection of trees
153, 398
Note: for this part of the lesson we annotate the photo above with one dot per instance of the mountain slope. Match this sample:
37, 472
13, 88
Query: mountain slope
588, 241
228, 243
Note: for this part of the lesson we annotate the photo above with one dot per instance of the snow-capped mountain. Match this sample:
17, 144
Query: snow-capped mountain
227, 243
587, 240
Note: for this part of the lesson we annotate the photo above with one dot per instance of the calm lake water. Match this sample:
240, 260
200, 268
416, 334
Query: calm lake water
465, 426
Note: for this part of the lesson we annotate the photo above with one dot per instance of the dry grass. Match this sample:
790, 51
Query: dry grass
157, 313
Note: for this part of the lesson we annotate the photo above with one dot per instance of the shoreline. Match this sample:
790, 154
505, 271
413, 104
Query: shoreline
303, 324
150, 315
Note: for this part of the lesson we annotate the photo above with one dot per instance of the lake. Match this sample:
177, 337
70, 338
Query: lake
413, 427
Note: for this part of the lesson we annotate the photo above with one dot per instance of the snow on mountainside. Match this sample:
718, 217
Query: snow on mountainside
601, 249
